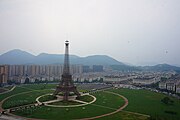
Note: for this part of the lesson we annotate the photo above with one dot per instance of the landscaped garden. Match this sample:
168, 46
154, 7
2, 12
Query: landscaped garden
143, 104
150, 103
91, 110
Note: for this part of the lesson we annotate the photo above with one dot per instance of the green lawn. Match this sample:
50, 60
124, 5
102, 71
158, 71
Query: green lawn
63, 113
81, 90
147, 102
103, 105
8, 87
124, 116
140, 101
108, 100
65, 103
15, 91
24, 99
47, 98
39, 86
86, 98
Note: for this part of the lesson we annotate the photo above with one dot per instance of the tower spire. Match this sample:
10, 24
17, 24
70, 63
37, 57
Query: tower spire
66, 59
66, 84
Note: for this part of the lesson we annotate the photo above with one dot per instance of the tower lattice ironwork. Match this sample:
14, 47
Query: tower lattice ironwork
66, 84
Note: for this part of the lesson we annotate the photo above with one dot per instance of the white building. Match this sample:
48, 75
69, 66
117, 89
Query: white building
162, 85
178, 88
171, 86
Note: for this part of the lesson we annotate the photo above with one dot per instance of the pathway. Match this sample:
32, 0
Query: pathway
9, 90
118, 110
51, 101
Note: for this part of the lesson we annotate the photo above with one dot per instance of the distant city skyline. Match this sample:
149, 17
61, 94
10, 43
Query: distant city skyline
138, 32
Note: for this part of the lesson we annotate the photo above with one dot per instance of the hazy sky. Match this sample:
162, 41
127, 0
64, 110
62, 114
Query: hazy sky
139, 32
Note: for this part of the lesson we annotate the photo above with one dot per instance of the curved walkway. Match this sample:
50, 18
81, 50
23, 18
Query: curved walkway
135, 113
8, 90
84, 103
13, 115
125, 104
1, 102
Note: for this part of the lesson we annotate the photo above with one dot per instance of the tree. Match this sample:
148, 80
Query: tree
101, 80
27, 81
37, 81
167, 101
163, 78
95, 81
86, 81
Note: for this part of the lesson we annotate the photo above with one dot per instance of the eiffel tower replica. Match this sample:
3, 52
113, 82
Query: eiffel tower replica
66, 84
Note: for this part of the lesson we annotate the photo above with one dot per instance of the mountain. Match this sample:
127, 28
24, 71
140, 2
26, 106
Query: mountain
45, 58
125, 68
161, 67
156, 68
97, 60
16, 57
22, 57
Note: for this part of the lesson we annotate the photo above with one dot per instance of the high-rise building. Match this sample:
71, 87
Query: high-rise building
33, 70
47, 70
37, 67
76, 69
86, 69
29, 68
17, 72
3, 74
60, 70
97, 68
20, 71
11, 70
42, 70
